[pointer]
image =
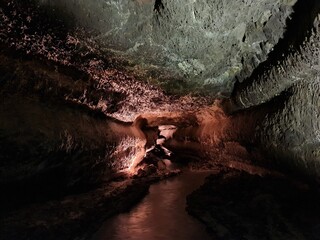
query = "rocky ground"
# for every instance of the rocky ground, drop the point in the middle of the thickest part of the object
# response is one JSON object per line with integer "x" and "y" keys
{"x": 235, "y": 204}
{"x": 77, "y": 216}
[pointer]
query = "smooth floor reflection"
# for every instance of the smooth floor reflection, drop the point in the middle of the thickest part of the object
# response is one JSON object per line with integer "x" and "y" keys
{"x": 161, "y": 214}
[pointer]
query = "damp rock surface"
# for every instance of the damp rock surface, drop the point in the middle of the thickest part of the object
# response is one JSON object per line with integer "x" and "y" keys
{"x": 207, "y": 42}
{"x": 75, "y": 74}
{"x": 237, "y": 205}
{"x": 74, "y": 216}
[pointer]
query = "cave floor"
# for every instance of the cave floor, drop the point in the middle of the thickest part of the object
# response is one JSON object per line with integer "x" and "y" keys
{"x": 79, "y": 215}
{"x": 238, "y": 200}
{"x": 235, "y": 204}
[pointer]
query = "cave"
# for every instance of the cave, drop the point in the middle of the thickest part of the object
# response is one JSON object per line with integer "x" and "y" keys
{"x": 159, "y": 119}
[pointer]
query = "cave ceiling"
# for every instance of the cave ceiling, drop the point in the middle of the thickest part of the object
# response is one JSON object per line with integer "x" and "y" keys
{"x": 207, "y": 44}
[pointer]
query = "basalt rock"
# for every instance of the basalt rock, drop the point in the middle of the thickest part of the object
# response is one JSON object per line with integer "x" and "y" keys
{"x": 207, "y": 44}
{"x": 290, "y": 135}
{"x": 239, "y": 205}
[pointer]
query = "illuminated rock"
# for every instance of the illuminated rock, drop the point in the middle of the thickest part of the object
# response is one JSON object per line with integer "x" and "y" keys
{"x": 209, "y": 44}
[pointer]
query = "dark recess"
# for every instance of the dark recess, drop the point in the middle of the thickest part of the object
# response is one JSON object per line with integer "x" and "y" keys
{"x": 158, "y": 6}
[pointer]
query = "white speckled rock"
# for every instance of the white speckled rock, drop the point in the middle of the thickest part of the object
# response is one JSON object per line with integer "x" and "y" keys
{"x": 208, "y": 42}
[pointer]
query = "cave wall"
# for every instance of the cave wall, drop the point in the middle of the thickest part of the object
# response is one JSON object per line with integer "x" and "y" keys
{"x": 114, "y": 86}
{"x": 208, "y": 43}
{"x": 56, "y": 91}
{"x": 52, "y": 140}
{"x": 51, "y": 145}
{"x": 301, "y": 64}
{"x": 290, "y": 135}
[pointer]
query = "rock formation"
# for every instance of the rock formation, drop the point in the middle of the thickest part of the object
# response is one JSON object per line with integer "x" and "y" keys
{"x": 85, "y": 84}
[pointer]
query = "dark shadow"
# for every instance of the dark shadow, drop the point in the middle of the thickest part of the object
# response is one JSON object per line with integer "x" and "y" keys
{"x": 158, "y": 6}
{"x": 238, "y": 205}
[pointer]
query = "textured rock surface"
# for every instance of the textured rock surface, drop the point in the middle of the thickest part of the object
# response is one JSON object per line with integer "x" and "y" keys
{"x": 55, "y": 93}
{"x": 107, "y": 83}
{"x": 207, "y": 42}
{"x": 71, "y": 217}
{"x": 291, "y": 134}
{"x": 238, "y": 205}
{"x": 57, "y": 85}
{"x": 301, "y": 65}
{"x": 45, "y": 140}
